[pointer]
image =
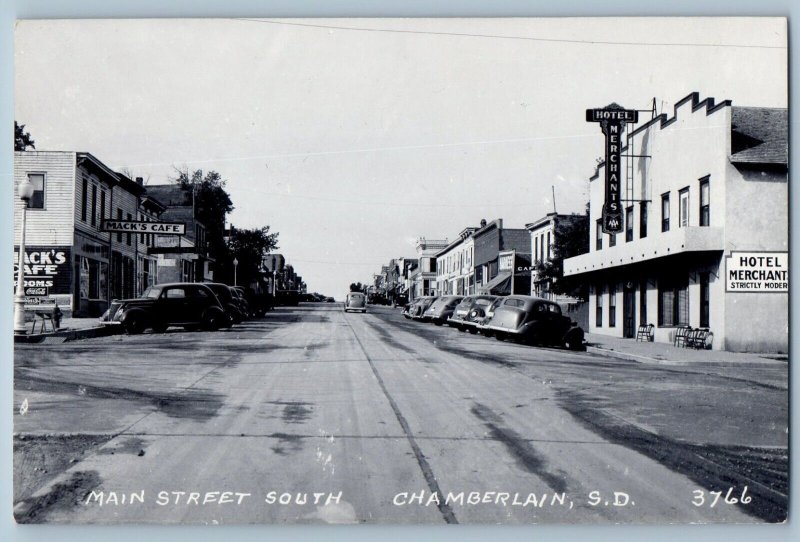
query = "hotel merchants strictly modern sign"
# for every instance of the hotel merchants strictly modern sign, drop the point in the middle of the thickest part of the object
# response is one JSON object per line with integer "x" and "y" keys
{"x": 757, "y": 272}
{"x": 134, "y": 226}
{"x": 612, "y": 121}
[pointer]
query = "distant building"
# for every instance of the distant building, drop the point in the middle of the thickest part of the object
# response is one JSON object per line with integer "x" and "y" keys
{"x": 455, "y": 274}
{"x": 544, "y": 238}
{"x": 424, "y": 279}
{"x": 489, "y": 241}
{"x": 705, "y": 239}
{"x": 181, "y": 258}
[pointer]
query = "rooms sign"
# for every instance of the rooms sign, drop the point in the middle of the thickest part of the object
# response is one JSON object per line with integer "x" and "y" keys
{"x": 612, "y": 119}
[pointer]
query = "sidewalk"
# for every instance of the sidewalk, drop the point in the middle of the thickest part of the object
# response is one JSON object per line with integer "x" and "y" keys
{"x": 71, "y": 329}
{"x": 667, "y": 354}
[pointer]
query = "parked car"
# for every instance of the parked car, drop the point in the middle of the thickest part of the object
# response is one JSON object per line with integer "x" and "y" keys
{"x": 535, "y": 321}
{"x": 442, "y": 309}
{"x": 238, "y": 295}
{"x": 421, "y": 305}
{"x": 229, "y": 302}
{"x": 188, "y": 304}
{"x": 471, "y": 310}
{"x": 355, "y": 301}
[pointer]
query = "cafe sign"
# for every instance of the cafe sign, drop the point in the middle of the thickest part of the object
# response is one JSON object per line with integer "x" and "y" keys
{"x": 137, "y": 226}
{"x": 612, "y": 121}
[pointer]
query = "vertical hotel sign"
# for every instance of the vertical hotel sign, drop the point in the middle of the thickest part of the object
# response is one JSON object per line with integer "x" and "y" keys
{"x": 612, "y": 121}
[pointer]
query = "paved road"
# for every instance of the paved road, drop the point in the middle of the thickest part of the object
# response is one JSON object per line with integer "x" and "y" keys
{"x": 313, "y": 415}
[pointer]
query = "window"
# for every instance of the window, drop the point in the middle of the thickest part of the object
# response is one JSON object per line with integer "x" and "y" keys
{"x": 599, "y": 235}
{"x": 683, "y": 208}
{"x": 705, "y": 298}
{"x": 536, "y": 257}
{"x": 673, "y": 302}
{"x": 705, "y": 208}
{"x": 37, "y": 199}
{"x": 175, "y": 293}
{"x": 84, "y": 196}
{"x": 119, "y": 217}
{"x": 598, "y": 314}
{"x": 629, "y": 224}
{"x": 94, "y": 205}
{"x": 665, "y": 212}
{"x": 128, "y": 235}
{"x": 548, "y": 246}
{"x": 643, "y": 220}
{"x": 102, "y": 205}
{"x": 612, "y": 304}
{"x": 643, "y": 303}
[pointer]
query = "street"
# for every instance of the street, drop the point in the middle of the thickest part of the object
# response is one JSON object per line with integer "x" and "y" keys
{"x": 312, "y": 415}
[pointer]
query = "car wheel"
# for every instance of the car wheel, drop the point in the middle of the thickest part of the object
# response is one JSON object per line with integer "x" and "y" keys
{"x": 500, "y": 336}
{"x": 134, "y": 325}
{"x": 211, "y": 322}
{"x": 473, "y": 330}
{"x": 437, "y": 322}
{"x": 160, "y": 328}
{"x": 192, "y": 327}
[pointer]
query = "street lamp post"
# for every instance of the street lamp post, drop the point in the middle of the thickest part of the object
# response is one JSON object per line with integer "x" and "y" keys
{"x": 25, "y": 192}
{"x": 235, "y": 265}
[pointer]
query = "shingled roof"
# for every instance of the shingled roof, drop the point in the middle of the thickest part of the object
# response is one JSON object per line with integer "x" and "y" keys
{"x": 759, "y": 135}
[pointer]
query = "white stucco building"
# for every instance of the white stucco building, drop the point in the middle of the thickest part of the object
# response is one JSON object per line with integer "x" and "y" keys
{"x": 705, "y": 241}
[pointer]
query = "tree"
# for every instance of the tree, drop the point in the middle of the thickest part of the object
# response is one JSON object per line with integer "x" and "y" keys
{"x": 358, "y": 287}
{"x": 22, "y": 139}
{"x": 571, "y": 238}
{"x": 212, "y": 205}
{"x": 248, "y": 247}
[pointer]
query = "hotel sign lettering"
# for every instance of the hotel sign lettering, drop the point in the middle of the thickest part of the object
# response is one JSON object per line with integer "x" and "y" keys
{"x": 757, "y": 272}
{"x": 612, "y": 121}
{"x": 135, "y": 226}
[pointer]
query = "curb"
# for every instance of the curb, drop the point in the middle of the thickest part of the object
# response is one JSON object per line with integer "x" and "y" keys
{"x": 610, "y": 353}
{"x": 67, "y": 335}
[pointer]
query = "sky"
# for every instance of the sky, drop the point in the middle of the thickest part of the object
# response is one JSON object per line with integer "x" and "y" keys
{"x": 353, "y": 137}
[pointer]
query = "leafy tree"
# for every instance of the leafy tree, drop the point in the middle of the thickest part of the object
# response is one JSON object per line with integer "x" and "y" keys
{"x": 22, "y": 139}
{"x": 571, "y": 238}
{"x": 212, "y": 204}
{"x": 248, "y": 247}
{"x": 358, "y": 287}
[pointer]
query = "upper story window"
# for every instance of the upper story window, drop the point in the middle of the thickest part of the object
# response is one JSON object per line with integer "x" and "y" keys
{"x": 643, "y": 219}
{"x": 629, "y": 224}
{"x": 84, "y": 199}
{"x": 683, "y": 208}
{"x": 94, "y": 205}
{"x": 598, "y": 244}
{"x": 548, "y": 246}
{"x": 37, "y": 200}
{"x": 705, "y": 206}
{"x": 665, "y": 212}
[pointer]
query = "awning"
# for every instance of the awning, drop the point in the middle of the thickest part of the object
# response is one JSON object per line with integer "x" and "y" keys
{"x": 500, "y": 285}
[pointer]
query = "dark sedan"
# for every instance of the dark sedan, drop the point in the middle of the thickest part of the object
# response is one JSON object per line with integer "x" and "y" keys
{"x": 535, "y": 321}
{"x": 191, "y": 305}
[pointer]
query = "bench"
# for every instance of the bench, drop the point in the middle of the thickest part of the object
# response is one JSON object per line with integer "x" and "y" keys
{"x": 645, "y": 332}
{"x": 44, "y": 315}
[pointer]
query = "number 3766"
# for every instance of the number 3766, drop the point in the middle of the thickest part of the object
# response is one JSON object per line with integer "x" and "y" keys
{"x": 712, "y": 498}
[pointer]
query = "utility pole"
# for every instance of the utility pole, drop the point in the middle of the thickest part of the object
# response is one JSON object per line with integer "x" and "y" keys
{"x": 553, "y": 188}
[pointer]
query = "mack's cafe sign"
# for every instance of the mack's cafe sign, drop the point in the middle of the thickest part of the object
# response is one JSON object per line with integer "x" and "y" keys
{"x": 136, "y": 226}
{"x": 612, "y": 119}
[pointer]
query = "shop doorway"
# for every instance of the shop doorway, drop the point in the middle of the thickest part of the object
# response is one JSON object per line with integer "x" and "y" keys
{"x": 628, "y": 312}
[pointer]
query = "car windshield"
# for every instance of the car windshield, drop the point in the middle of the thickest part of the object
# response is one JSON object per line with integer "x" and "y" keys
{"x": 152, "y": 292}
{"x": 483, "y": 302}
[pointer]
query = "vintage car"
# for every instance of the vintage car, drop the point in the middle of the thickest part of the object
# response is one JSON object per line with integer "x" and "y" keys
{"x": 534, "y": 321}
{"x": 228, "y": 301}
{"x": 355, "y": 301}
{"x": 442, "y": 309}
{"x": 417, "y": 308}
{"x": 470, "y": 311}
{"x": 188, "y": 304}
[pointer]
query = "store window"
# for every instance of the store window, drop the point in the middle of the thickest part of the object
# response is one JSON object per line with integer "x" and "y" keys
{"x": 598, "y": 315}
{"x": 665, "y": 212}
{"x": 599, "y": 235}
{"x": 612, "y": 304}
{"x": 37, "y": 200}
{"x": 705, "y": 206}
{"x": 705, "y": 300}
{"x": 673, "y": 302}
{"x": 683, "y": 208}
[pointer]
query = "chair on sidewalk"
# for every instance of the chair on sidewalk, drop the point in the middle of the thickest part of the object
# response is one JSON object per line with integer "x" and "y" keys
{"x": 700, "y": 339}
{"x": 645, "y": 332}
{"x": 681, "y": 335}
